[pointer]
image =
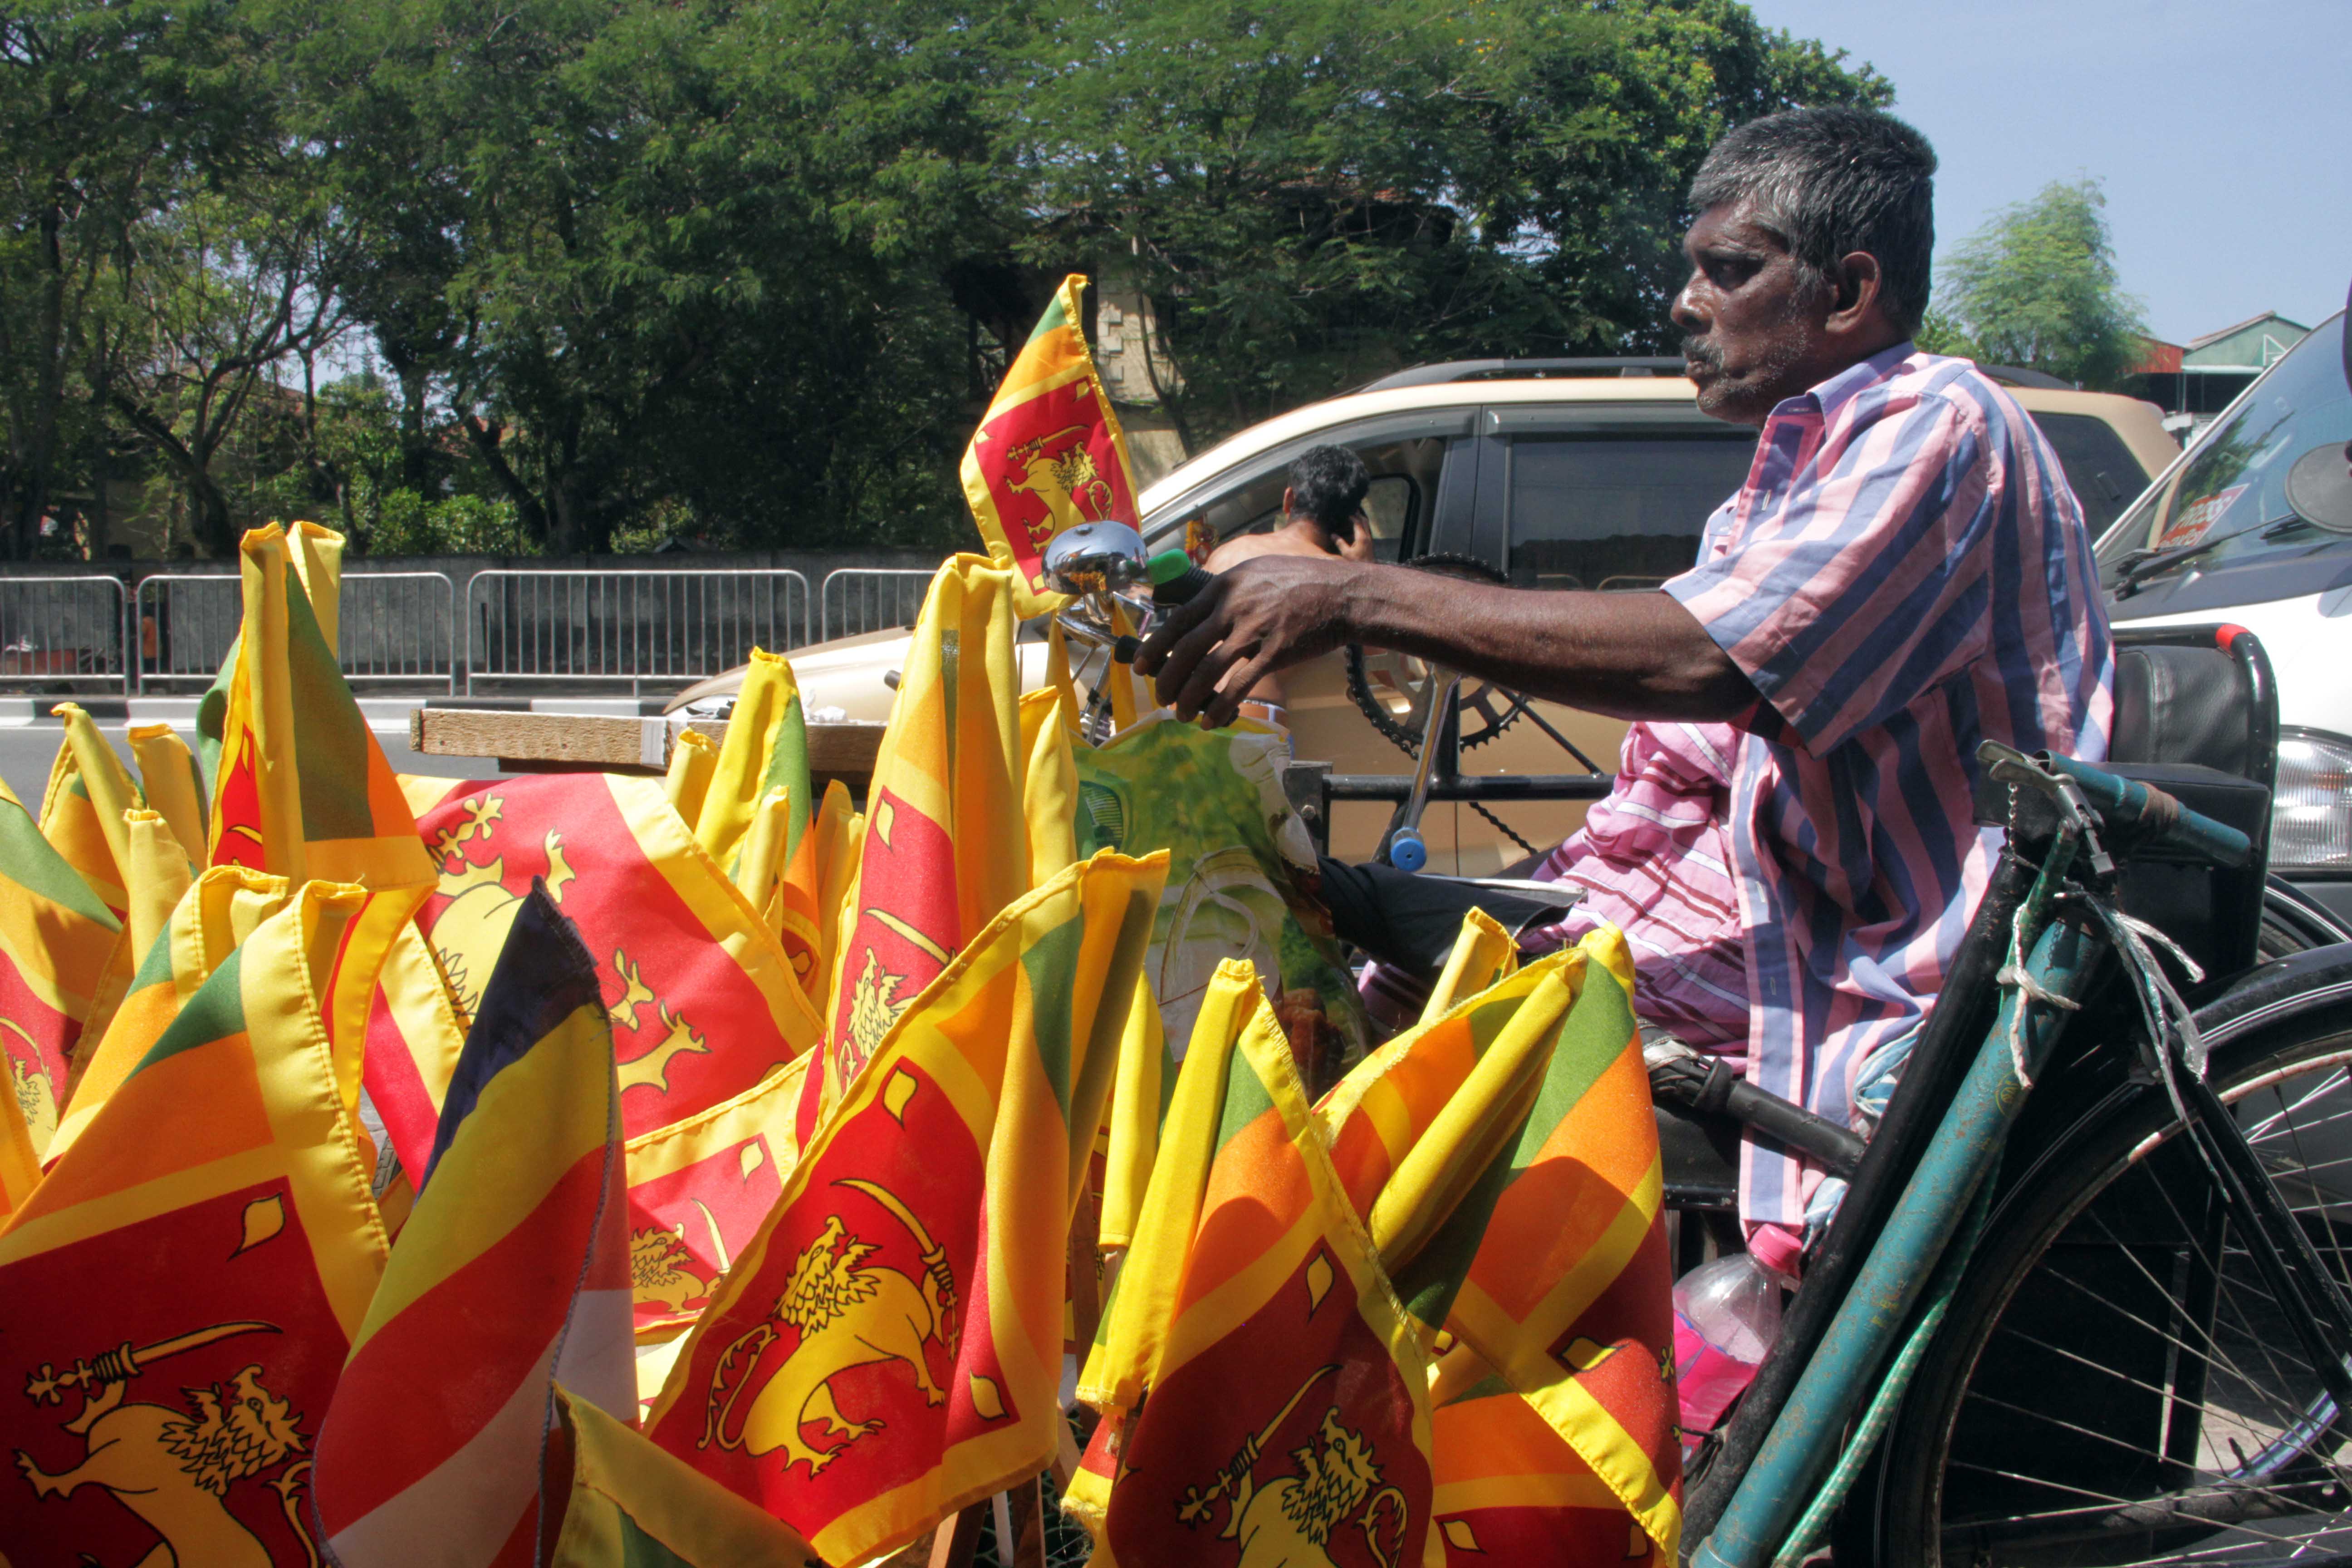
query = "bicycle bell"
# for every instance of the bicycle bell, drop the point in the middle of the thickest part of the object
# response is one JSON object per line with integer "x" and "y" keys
{"x": 1095, "y": 557}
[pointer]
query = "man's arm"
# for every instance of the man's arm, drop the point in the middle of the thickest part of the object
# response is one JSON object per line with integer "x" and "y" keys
{"x": 1636, "y": 655}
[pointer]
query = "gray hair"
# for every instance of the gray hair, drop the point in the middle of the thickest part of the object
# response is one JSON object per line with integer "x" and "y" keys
{"x": 1829, "y": 182}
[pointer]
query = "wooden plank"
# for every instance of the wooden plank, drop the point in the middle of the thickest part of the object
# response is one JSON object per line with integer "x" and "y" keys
{"x": 602, "y": 742}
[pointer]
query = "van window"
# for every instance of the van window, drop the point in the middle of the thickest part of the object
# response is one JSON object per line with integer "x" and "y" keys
{"x": 2100, "y": 469}
{"x": 1402, "y": 496}
{"x": 1616, "y": 511}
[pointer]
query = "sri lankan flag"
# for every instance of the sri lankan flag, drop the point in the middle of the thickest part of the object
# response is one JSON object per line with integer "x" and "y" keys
{"x": 947, "y": 843}
{"x": 698, "y": 1191}
{"x": 220, "y": 910}
{"x": 156, "y": 876}
{"x": 1554, "y": 1266}
{"x": 702, "y": 999}
{"x": 57, "y": 937}
{"x": 765, "y": 748}
{"x": 756, "y": 814}
{"x": 1287, "y": 1416}
{"x": 169, "y": 779}
{"x": 512, "y": 1266}
{"x": 1048, "y": 454}
{"x": 302, "y": 789}
{"x": 1509, "y": 1489}
{"x": 81, "y": 809}
{"x": 887, "y": 1350}
{"x": 178, "y": 1297}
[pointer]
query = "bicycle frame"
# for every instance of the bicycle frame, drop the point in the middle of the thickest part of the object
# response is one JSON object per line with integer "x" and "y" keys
{"x": 1804, "y": 1423}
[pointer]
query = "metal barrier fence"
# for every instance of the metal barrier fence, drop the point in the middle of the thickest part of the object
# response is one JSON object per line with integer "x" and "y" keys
{"x": 392, "y": 627}
{"x": 186, "y": 625}
{"x": 858, "y": 599}
{"x": 62, "y": 634}
{"x": 399, "y": 627}
{"x": 662, "y": 629}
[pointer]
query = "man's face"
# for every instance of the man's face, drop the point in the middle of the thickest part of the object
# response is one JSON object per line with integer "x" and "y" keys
{"x": 1752, "y": 320}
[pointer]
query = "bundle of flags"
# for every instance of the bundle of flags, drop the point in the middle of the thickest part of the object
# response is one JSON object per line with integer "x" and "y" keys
{"x": 603, "y": 1169}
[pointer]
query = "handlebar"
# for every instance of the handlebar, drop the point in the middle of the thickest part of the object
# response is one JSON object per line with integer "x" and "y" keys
{"x": 2144, "y": 808}
{"x": 2136, "y": 808}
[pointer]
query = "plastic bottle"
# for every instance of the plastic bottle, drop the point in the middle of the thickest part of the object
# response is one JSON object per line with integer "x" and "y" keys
{"x": 1726, "y": 1315}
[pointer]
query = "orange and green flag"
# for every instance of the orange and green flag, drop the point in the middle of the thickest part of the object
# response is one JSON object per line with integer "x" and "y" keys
{"x": 212, "y": 919}
{"x": 889, "y": 1349}
{"x": 226, "y": 1178}
{"x": 1553, "y": 1266}
{"x": 947, "y": 841}
{"x": 57, "y": 939}
{"x": 1287, "y": 1415}
{"x": 302, "y": 788}
{"x": 1049, "y": 454}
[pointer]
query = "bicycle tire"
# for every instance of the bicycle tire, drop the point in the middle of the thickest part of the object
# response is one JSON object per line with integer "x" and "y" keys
{"x": 2015, "y": 1446}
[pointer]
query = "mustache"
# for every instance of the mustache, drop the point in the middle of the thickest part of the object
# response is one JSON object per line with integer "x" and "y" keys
{"x": 1700, "y": 352}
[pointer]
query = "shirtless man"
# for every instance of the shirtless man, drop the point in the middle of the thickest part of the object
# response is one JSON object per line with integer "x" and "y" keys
{"x": 1322, "y": 514}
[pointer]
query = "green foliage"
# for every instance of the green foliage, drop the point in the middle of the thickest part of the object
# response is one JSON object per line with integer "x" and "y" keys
{"x": 637, "y": 270}
{"x": 2037, "y": 287}
{"x": 1315, "y": 193}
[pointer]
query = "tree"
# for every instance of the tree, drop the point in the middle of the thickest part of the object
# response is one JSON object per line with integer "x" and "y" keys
{"x": 105, "y": 112}
{"x": 1314, "y": 193}
{"x": 2037, "y": 287}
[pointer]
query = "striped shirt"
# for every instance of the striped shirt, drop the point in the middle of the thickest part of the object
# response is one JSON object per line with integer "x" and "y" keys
{"x": 1904, "y": 575}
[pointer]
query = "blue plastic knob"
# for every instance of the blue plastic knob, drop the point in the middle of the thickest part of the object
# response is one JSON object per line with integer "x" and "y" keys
{"x": 1406, "y": 851}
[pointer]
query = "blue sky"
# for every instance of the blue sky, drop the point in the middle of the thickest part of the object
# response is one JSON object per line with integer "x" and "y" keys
{"x": 2223, "y": 132}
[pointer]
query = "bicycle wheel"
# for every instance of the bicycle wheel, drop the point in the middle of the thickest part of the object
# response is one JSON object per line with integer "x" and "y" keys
{"x": 2114, "y": 1384}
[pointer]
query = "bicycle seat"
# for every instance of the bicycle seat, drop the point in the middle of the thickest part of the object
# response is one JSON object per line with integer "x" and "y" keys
{"x": 2196, "y": 716}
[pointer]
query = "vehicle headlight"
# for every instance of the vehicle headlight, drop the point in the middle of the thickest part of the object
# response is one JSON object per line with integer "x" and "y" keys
{"x": 2311, "y": 812}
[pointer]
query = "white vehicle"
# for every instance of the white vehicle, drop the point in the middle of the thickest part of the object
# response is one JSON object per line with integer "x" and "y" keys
{"x": 2253, "y": 526}
{"x": 1545, "y": 473}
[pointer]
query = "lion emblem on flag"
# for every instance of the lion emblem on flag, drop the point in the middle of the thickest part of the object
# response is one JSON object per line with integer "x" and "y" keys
{"x": 174, "y": 1467}
{"x": 1288, "y": 1521}
{"x": 847, "y": 1314}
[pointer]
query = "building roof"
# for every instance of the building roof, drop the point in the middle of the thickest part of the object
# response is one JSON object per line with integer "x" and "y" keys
{"x": 2252, "y": 344}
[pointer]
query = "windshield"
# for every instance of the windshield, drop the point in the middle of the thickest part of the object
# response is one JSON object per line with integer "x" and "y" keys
{"x": 2231, "y": 495}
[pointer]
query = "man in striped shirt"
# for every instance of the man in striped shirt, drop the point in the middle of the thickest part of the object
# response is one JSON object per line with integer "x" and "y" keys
{"x": 1789, "y": 845}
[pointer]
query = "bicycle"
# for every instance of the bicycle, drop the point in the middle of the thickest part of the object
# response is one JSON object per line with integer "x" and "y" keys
{"x": 2085, "y": 1300}
{"x": 2138, "y": 1351}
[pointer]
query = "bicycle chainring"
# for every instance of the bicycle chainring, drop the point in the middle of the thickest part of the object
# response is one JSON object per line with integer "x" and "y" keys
{"x": 1486, "y": 709}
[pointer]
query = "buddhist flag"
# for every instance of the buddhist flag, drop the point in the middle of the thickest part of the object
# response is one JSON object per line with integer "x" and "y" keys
{"x": 887, "y": 1350}
{"x": 946, "y": 844}
{"x": 512, "y": 1266}
{"x": 57, "y": 937}
{"x": 81, "y": 810}
{"x": 212, "y": 919}
{"x": 177, "y": 1298}
{"x": 634, "y": 1506}
{"x": 302, "y": 789}
{"x": 1287, "y": 1416}
{"x": 702, "y": 998}
{"x": 1554, "y": 1266}
{"x": 1048, "y": 454}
